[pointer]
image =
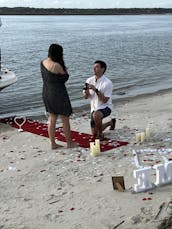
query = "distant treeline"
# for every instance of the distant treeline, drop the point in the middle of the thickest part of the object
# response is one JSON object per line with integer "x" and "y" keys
{"x": 64, "y": 11}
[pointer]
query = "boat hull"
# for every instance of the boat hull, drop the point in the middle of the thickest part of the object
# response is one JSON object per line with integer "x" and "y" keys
{"x": 7, "y": 78}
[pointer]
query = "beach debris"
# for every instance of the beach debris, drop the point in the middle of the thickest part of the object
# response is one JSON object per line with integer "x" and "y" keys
{"x": 99, "y": 180}
{"x": 53, "y": 202}
{"x": 43, "y": 170}
{"x": 97, "y": 175}
{"x": 166, "y": 222}
{"x": 160, "y": 209}
{"x": 53, "y": 199}
{"x": 151, "y": 193}
{"x": 4, "y": 137}
{"x": 60, "y": 211}
{"x": 119, "y": 224}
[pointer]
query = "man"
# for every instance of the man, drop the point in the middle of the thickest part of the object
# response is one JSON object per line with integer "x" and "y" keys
{"x": 99, "y": 90}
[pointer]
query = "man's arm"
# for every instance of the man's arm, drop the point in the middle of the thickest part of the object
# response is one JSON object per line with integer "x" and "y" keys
{"x": 100, "y": 95}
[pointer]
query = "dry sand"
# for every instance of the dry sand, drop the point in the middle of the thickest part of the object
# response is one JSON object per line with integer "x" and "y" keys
{"x": 69, "y": 189}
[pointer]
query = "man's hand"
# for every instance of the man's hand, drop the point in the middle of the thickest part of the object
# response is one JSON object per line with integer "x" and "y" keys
{"x": 91, "y": 86}
{"x": 86, "y": 93}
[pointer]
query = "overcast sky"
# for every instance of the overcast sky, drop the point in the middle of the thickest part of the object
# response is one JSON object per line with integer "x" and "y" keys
{"x": 88, "y": 3}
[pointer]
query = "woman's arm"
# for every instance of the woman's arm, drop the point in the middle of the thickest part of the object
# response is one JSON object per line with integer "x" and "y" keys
{"x": 58, "y": 69}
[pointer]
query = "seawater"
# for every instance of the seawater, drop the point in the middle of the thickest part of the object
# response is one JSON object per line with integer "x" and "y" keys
{"x": 136, "y": 48}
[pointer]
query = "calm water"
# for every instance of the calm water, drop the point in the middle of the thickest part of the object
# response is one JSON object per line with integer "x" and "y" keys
{"x": 137, "y": 49}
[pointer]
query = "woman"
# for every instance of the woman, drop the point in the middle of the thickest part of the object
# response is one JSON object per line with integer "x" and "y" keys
{"x": 55, "y": 96}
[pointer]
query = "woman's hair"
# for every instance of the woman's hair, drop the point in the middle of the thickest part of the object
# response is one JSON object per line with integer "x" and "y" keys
{"x": 55, "y": 52}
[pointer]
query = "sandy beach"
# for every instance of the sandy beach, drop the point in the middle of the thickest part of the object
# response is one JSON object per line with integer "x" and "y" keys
{"x": 69, "y": 189}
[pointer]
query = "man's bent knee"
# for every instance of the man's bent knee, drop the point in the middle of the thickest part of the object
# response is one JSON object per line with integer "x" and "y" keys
{"x": 97, "y": 115}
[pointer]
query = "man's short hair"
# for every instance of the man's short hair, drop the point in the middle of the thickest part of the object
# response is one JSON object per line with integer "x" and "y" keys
{"x": 102, "y": 64}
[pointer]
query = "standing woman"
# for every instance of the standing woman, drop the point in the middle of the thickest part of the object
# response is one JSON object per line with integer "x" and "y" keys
{"x": 55, "y": 96}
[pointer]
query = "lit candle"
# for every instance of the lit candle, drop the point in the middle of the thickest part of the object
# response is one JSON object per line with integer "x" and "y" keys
{"x": 138, "y": 137}
{"x": 95, "y": 148}
{"x": 142, "y": 136}
{"x": 147, "y": 132}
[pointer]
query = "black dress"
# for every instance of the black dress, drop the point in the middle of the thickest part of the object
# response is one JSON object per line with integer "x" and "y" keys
{"x": 55, "y": 96}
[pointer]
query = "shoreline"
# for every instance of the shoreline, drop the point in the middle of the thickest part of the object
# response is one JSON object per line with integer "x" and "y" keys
{"x": 30, "y": 11}
{"x": 84, "y": 109}
{"x": 121, "y": 101}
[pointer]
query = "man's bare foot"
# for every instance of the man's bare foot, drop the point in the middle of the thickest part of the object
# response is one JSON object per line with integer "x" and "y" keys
{"x": 100, "y": 137}
{"x": 72, "y": 145}
{"x": 113, "y": 123}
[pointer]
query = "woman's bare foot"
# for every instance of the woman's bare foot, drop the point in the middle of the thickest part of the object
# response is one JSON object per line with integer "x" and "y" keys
{"x": 72, "y": 145}
{"x": 54, "y": 146}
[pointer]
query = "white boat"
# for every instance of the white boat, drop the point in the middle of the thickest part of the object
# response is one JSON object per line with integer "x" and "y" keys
{"x": 7, "y": 77}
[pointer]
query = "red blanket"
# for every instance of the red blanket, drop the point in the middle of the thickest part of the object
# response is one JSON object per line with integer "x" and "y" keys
{"x": 82, "y": 139}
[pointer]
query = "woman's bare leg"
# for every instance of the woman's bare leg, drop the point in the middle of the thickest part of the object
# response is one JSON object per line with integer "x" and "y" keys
{"x": 51, "y": 130}
{"x": 67, "y": 133}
